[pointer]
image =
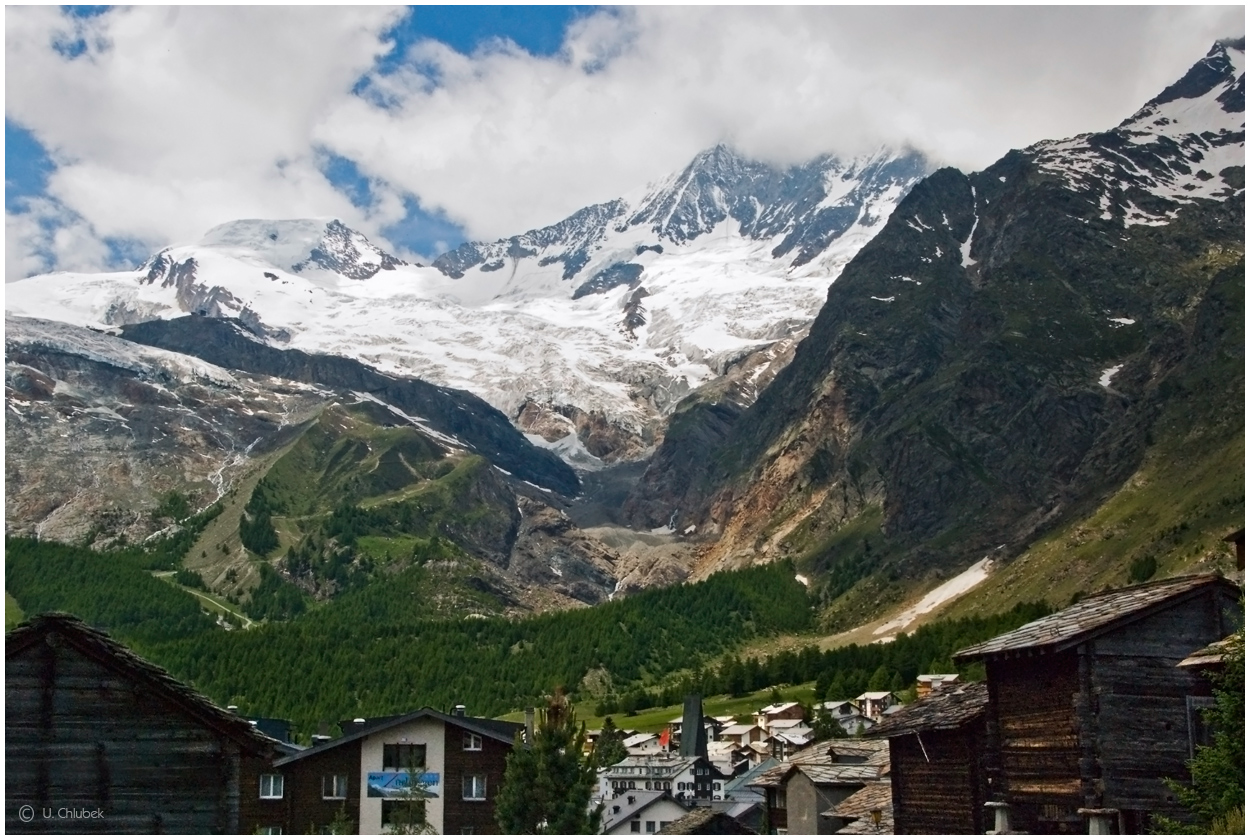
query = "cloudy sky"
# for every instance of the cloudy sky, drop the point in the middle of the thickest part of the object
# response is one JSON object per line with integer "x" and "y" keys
{"x": 130, "y": 129}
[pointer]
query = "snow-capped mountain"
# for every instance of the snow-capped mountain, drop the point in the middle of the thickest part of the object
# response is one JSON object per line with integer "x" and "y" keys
{"x": 605, "y": 319}
{"x": 1003, "y": 358}
{"x": 1171, "y": 152}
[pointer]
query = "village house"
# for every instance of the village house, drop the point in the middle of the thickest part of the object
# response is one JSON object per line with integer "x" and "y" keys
{"x": 926, "y": 684}
{"x": 936, "y": 749}
{"x": 641, "y": 812}
{"x": 742, "y": 733}
{"x": 798, "y": 792}
{"x": 874, "y": 704}
{"x": 100, "y": 741}
{"x": 767, "y": 716}
{"x": 366, "y": 773}
{"x": 1087, "y": 713}
{"x": 685, "y": 778}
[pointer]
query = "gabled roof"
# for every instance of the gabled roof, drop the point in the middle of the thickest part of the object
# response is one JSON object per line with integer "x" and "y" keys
{"x": 876, "y": 754}
{"x": 950, "y": 708}
{"x": 643, "y": 799}
{"x": 498, "y": 730}
{"x": 64, "y": 629}
{"x": 705, "y": 821}
{"x": 1094, "y": 616}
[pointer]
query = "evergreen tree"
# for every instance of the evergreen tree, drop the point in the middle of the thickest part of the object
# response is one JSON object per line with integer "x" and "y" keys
{"x": 880, "y": 680}
{"x": 547, "y": 785}
{"x": 825, "y": 725}
{"x": 610, "y": 748}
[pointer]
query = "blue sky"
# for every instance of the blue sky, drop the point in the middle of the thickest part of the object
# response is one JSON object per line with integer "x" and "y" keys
{"x": 131, "y": 128}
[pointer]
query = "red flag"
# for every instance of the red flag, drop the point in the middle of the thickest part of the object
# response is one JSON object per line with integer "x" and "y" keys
{"x": 664, "y": 737}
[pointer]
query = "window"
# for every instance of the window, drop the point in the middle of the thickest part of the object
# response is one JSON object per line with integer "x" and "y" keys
{"x": 635, "y": 827}
{"x": 271, "y": 786}
{"x": 471, "y": 741}
{"x": 651, "y": 826}
{"x": 1200, "y": 734}
{"x": 403, "y": 756}
{"x": 474, "y": 787}
{"x": 664, "y": 824}
{"x": 334, "y": 786}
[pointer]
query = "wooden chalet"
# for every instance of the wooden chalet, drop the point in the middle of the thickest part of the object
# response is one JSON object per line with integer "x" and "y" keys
{"x": 99, "y": 740}
{"x": 936, "y": 774}
{"x": 1087, "y": 713}
{"x": 359, "y": 778}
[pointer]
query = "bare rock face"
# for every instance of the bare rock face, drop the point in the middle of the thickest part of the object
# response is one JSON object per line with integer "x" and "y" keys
{"x": 604, "y": 439}
{"x": 99, "y": 430}
{"x": 552, "y": 553}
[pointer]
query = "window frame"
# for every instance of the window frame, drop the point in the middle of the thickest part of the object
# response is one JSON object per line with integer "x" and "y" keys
{"x": 471, "y": 742}
{"x": 469, "y": 783}
{"x": 269, "y": 777}
{"x": 397, "y": 753}
{"x": 334, "y": 778}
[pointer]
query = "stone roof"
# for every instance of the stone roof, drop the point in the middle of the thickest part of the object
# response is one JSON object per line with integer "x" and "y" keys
{"x": 1092, "y": 617}
{"x": 950, "y": 708}
{"x": 1211, "y": 656}
{"x": 840, "y": 774}
{"x": 859, "y": 806}
{"x": 705, "y": 821}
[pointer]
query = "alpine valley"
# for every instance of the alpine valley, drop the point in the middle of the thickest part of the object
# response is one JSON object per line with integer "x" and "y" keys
{"x": 905, "y": 391}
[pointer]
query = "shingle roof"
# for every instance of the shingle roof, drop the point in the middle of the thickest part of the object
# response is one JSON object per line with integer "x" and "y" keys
{"x": 1211, "y": 656}
{"x": 63, "y": 628}
{"x": 874, "y": 796}
{"x": 875, "y": 752}
{"x": 705, "y": 821}
{"x": 1092, "y": 617}
{"x": 840, "y": 774}
{"x": 498, "y": 730}
{"x": 949, "y": 708}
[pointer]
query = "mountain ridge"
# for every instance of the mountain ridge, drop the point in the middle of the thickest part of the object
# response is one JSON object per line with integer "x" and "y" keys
{"x": 989, "y": 367}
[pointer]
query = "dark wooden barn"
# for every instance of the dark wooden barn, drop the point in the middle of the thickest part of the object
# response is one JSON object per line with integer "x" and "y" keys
{"x": 1088, "y": 713}
{"x": 936, "y": 774}
{"x": 98, "y": 740}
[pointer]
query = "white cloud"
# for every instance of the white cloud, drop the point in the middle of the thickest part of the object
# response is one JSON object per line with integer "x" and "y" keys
{"x": 506, "y": 141}
{"x": 176, "y": 119}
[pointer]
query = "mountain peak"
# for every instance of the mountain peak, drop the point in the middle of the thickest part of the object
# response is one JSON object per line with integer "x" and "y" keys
{"x": 298, "y": 245}
{"x": 1224, "y": 65}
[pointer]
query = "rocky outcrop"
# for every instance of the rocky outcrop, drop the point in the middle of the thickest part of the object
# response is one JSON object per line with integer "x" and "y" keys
{"x": 451, "y": 412}
{"x": 100, "y": 430}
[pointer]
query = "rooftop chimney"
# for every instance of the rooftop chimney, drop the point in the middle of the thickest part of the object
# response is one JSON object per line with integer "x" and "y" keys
{"x": 458, "y": 710}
